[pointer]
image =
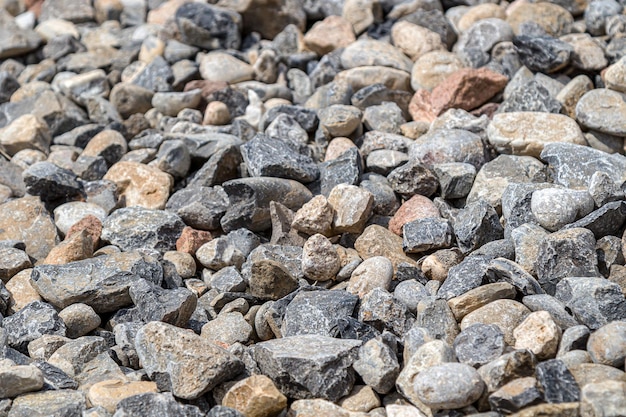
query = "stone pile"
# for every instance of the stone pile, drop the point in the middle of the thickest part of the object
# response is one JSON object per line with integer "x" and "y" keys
{"x": 351, "y": 208}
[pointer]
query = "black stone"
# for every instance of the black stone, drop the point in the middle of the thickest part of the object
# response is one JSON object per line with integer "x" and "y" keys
{"x": 55, "y": 378}
{"x": 469, "y": 274}
{"x": 173, "y": 306}
{"x": 156, "y": 76}
{"x": 223, "y": 165}
{"x": 413, "y": 178}
{"x": 557, "y": 382}
{"x": 51, "y": 182}
{"x": 208, "y": 27}
{"x": 351, "y": 328}
{"x": 477, "y": 224}
{"x": 345, "y": 169}
{"x": 199, "y": 207}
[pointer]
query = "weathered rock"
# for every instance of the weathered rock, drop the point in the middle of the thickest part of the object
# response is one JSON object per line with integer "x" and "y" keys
{"x": 140, "y": 185}
{"x": 506, "y": 314}
{"x": 462, "y": 386}
{"x": 255, "y": 396}
{"x": 602, "y": 110}
{"x": 479, "y": 344}
{"x": 557, "y": 382}
{"x": 378, "y": 365}
{"x": 31, "y": 322}
{"x": 198, "y": 365}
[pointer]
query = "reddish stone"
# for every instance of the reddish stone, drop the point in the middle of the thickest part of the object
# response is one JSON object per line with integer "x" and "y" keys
{"x": 417, "y": 207}
{"x": 420, "y": 107}
{"x": 191, "y": 239}
{"x": 77, "y": 247}
{"x": 34, "y": 6}
{"x": 488, "y": 109}
{"x": 467, "y": 89}
{"x": 91, "y": 224}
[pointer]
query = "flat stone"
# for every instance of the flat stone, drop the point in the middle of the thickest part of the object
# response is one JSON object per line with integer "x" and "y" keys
{"x": 26, "y": 132}
{"x": 506, "y": 314}
{"x": 107, "y": 394}
{"x": 379, "y": 241}
{"x": 200, "y": 369}
{"x": 158, "y": 404}
{"x": 465, "y": 276}
{"x": 40, "y": 404}
{"x": 476, "y": 298}
{"x": 327, "y": 361}
{"x": 227, "y": 329}
{"x": 15, "y": 40}
{"x": 19, "y": 379}
{"x": 137, "y": 227}
{"x": 603, "y": 398}
{"x": 516, "y": 395}
{"x": 543, "y": 53}
{"x": 154, "y": 303}
{"x": 427, "y": 234}
{"x": 50, "y": 182}
{"x": 448, "y": 145}
{"x": 602, "y": 110}
{"x": 365, "y": 53}
{"x": 517, "y": 133}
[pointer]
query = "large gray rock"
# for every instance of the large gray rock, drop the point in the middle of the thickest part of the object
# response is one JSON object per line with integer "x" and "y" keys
{"x": 477, "y": 224}
{"x": 309, "y": 366}
{"x": 31, "y": 322}
{"x": 101, "y": 282}
{"x": 182, "y": 362}
{"x": 140, "y": 228}
{"x": 174, "y": 306}
{"x": 199, "y": 207}
{"x": 448, "y": 145}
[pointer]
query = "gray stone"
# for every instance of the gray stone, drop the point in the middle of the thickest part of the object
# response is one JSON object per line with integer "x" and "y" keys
{"x": 603, "y": 110}
{"x": 377, "y": 365}
{"x": 435, "y": 316}
{"x": 199, "y": 207}
{"x": 66, "y": 402}
{"x": 156, "y": 76}
{"x": 222, "y": 165}
{"x": 597, "y": 13}
{"x": 543, "y": 53}
{"x": 227, "y": 328}
{"x": 512, "y": 365}
{"x": 448, "y": 145}
{"x": 309, "y": 366}
{"x": 173, "y": 157}
{"x": 566, "y": 253}
{"x": 410, "y": 293}
{"x": 593, "y": 301}
{"x": 101, "y": 282}
{"x": 477, "y": 224}
{"x": 379, "y": 309}
{"x": 516, "y": 204}
{"x": 554, "y": 208}
{"x": 287, "y": 128}
{"x": 307, "y": 118}
{"x": 413, "y": 178}
{"x": 250, "y": 199}
{"x": 376, "y": 94}
{"x": 182, "y": 362}
{"x": 74, "y": 356}
{"x": 8, "y": 86}
{"x": 154, "y": 303}
{"x": 603, "y": 190}
{"x": 557, "y": 382}
{"x": 467, "y": 275}
{"x": 137, "y": 227}
{"x": 455, "y": 179}
{"x": 15, "y": 40}
{"x": 531, "y": 96}
{"x": 269, "y": 157}
{"x": 50, "y": 182}
{"x": 481, "y": 37}
{"x": 545, "y": 302}
{"x": 12, "y": 261}
{"x": 31, "y": 322}
{"x": 317, "y": 312}
{"x": 160, "y": 404}
{"x": 573, "y": 338}
{"x": 219, "y": 253}
{"x": 607, "y": 345}
{"x": 383, "y": 161}
{"x": 345, "y": 169}
{"x": 566, "y": 163}
{"x": 79, "y": 320}
{"x": 516, "y": 395}
{"x": 227, "y": 280}
{"x": 604, "y": 221}
{"x": 426, "y": 234}
{"x": 449, "y": 385}
{"x": 505, "y": 270}
{"x": 604, "y": 398}
{"x": 385, "y": 199}
{"x": 385, "y": 117}
{"x": 479, "y": 344}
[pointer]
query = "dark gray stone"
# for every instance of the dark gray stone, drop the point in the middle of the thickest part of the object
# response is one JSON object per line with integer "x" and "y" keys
{"x": 434, "y": 315}
{"x": 385, "y": 117}
{"x": 574, "y": 165}
{"x": 479, "y": 344}
{"x": 326, "y": 69}
{"x": 309, "y": 366}
{"x": 199, "y": 207}
{"x": 317, "y": 312}
{"x": 607, "y": 220}
{"x": 501, "y": 248}
{"x": 54, "y": 378}
{"x": 51, "y": 182}
{"x": 223, "y": 165}
{"x": 228, "y": 280}
{"x": 31, "y": 322}
{"x": 557, "y": 382}
{"x": 518, "y": 394}
{"x": 62, "y": 403}
{"x": 307, "y": 118}
{"x": 173, "y": 157}
{"x": 385, "y": 199}
{"x": 455, "y": 179}
{"x": 379, "y": 309}
{"x": 154, "y": 303}
{"x": 543, "y": 53}
{"x": 413, "y": 178}
{"x": 516, "y": 200}
{"x": 481, "y": 37}
{"x": 410, "y": 293}
{"x": 505, "y": 270}
{"x": 8, "y": 86}
{"x": 448, "y": 145}
{"x": 158, "y": 404}
{"x": 269, "y": 157}
{"x": 477, "y": 224}
{"x": 221, "y": 411}
{"x": 373, "y": 140}
{"x": 345, "y": 169}
{"x": 467, "y": 275}
{"x": 545, "y": 302}
{"x": 351, "y": 328}
{"x": 383, "y": 161}
{"x": 531, "y": 96}
{"x": 250, "y": 199}
{"x": 101, "y": 282}
{"x": 376, "y": 94}
{"x": 427, "y": 234}
{"x": 603, "y": 189}
{"x": 90, "y": 168}
{"x": 286, "y": 128}
{"x": 609, "y": 252}
{"x": 593, "y": 301}
{"x": 208, "y": 27}
{"x": 573, "y": 338}
{"x": 566, "y": 253}
{"x": 137, "y": 227}
{"x": 156, "y": 76}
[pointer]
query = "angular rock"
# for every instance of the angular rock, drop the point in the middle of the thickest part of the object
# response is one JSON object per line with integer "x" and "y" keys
{"x": 557, "y": 382}
{"x": 378, "y": 365}
{"x": 479, "y": 344}
{"x": 141, "y": 185}
{"x": 156, "y": 304}
{"x": 199, "y": 207}
{"x": 426, "y": 234}
{"x": 31, "y": 322}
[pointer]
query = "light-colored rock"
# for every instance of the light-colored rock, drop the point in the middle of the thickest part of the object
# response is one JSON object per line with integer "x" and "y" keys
{"x": 414, "y": 40}
{"x": 353, "y": 207}
{"x": 255, "y": 396}
{"x": 220, "y": 66}
{"x": 375, "y": 272}
{"x": 25, "y": 132}
{"x": 432, "y": 68}
{"x": 141, "y": 185}
{"x": 109, "y": 393}
{"x": 539, "y": 334}
{"x": 329, "y": 34}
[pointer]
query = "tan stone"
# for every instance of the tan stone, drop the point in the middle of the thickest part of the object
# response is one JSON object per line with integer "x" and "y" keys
{"x": 337, "y": 146}
{"x": 362, "y": 398}
{"x": 77, "y": 247}
{"x": 352, "y": 206}
{"x": 414, "y": 40}
{"x": 375, "y": 272}
{"x": 110, "y": 392}
{"x": 467, "y": 89}
{"x": 480, "y": 12}
{"x": 25, "y": 132}
{"x": 220, "y": 66}
{"x": 141, "y": 185}
{"x": 109, "y": 144}
{"x": 329, "y": 34}
{"x": 615, "y": 76}
{"x": 164, "y": 12}
{"x": 526, "y": 133}
{"x": 417, "y": 207}
{"x": 91, "y": 224}
{"x": 588, "y": 54}
{"x": 255, "y": 396}
{"x": 549, "y": 410}
{"x": 506, "y": 314}
{"x": 360, "y": 77}
{"x": 183, "y": 262}
{"x": 216, "y": 114}
{"x": 474, "y": 299}
{"x": 432, "y": 68}
{"x": 28, "y": 220}
{"x": 151, "y": 48}
{"x": 319, "y": 407}
{"x": 539, "y": 334}
{"x": 315, "y": 216}
{"x": 22, "y": 292}
{"x": 361, "y": 13}
{"x": 554, "y": 19}
{"x": 436, "y": 265}
{"x": 379, "y": 241}
{"x": 320, "y": 260}
{"x": 420, "y": 107}
{"x": 574, "y": 90}
{"x": 591, "y": 373}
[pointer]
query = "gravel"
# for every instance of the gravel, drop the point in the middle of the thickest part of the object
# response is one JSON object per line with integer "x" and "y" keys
{"x": 308, "y": 208}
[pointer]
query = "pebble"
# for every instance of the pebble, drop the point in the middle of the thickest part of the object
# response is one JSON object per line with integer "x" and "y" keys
{"x": 479, "y": 344}
{"x": 255, "y": 396}
{"x": 79, "y": 320}
{"x": 539, "y": 334}
{"x": 606, "y": 345}
{"x": 449, "y": 386}
{"x": 140, "y": 185}
{"x": 504, "y": 313}
{"x": 374, "y": 272}
{"x": 602, "y": 109}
